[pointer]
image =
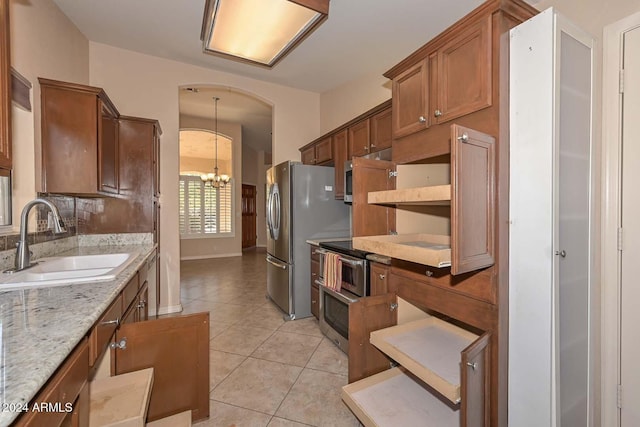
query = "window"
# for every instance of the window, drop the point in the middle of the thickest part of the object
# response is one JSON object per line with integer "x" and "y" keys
{"x": 204, "y": 210}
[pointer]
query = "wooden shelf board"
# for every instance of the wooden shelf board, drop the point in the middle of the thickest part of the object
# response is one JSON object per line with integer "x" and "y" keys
{"x": 439, "y": 195}
{"x": 430, "y": 349}
{"x": 121, "y": 400}
{"x": 183, "y": 419}
{"x": 428, "y": 249}
{"x": 394, "y": 398}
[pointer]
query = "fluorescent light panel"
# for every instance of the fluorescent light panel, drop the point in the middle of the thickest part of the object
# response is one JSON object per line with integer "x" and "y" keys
{"x": 259, "y": 31}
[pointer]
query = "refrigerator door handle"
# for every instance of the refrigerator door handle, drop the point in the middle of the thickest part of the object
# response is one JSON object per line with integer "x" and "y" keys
{"x": 269, "y": 208}
{"x": 274, "y": 262}
{"x": 275, "y": 211}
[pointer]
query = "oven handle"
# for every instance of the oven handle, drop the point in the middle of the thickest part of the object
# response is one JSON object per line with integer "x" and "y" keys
{"x": 319, "y": 252}
{"x": 340, "y": 296}
{"x": 351, "y": 262}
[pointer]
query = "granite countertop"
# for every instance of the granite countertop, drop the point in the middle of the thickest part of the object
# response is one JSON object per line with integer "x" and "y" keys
{"x": 40, "y": 326}
{"x": 317, "y": 242}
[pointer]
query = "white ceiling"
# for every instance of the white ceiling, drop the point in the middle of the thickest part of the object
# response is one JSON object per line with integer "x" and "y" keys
{"x": 359, "y": 38}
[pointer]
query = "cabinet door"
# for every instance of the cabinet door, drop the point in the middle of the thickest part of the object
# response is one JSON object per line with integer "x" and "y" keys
{"x": 308, "y": 156}
{"x": 380, "y": 125}
{"x": 379, "y": 279}
{"x": 315, "y": 301}
{"x": 359, "y": 139}
{"x": 5, "y": 88}
{"x": 371, "y": 175}
{"x": 409, "y": 97}
{"x": 367, "y": 315}
{"x": 466, "y": 58}
{"x": 178, "y": 350}
{"x": 475, "y": 389}
{"x": 472, "y": 200}
{"x": 324, "y": 151}
{"x": 339, "y": 159}
{"x": 108, "y": 168}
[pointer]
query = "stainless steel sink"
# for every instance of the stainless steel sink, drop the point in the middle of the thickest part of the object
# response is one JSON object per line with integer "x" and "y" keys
{"x": 58, "y": 271}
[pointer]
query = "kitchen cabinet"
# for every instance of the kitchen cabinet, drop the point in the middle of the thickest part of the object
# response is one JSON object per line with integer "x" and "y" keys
{"x": 66, "y": 392}
{"x": 315, "y": 275}
{"x": 423, "y": 236}
{"x": 319, "y": 153}
{"x": 79, "y": 140}
{"x": 371, "y": 219}
{"x": 370, "y": 135}
{"x": 453, "y": 80}
{"x": 5, "y": 88}
{"x": 444, "y": 369}
{"x": 359, "y": 136}
{"x": 379, "y": 278}
{"x": 340, "y": 150}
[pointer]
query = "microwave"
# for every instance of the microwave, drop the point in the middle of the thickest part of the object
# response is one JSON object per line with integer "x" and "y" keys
{"x": 348, "y": 181}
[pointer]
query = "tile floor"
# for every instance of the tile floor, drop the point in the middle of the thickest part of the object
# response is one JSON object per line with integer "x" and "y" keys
{"x": 263, "y": 371}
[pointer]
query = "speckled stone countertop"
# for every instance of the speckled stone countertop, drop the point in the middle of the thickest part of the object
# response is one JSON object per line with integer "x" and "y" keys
{"x": 317, "y": 242}
{"x": 40, "y": 326}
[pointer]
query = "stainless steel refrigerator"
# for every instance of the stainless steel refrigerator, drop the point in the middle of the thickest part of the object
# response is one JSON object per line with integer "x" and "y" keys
{"x": 301, "y": 205}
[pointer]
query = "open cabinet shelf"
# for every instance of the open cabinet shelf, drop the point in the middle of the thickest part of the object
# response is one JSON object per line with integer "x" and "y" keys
{"x": 121, "y": 400}
{"x": 436, "y": 195}
{"x": 395, "y": 398}
{"x": 428, "y": 249}
{"x": 429, "y": 348}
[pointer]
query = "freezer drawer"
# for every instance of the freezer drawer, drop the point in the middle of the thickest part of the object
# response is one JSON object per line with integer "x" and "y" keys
{"x": 279, "y": 284}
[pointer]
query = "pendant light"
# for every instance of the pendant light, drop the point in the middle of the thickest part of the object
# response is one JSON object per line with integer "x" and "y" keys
{"x": 213, "y": 179}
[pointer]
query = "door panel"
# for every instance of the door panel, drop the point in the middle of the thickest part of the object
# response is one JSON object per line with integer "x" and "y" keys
{"x": 178, "y": 350}
{"x": 630, "y": 317}
{"x": 472, "y": 209}
{"x": 476, "y": 378}
{"x": 279, "y": 279}
{"x": 371, "y": 175}
{"x": 281, "y": 211}
{"x": 249, "y": 234}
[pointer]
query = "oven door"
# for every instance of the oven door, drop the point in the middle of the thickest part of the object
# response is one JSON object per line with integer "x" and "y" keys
{"x": 334, "y": 316}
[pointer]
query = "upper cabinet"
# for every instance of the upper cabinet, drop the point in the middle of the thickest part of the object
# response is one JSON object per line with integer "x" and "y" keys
{"x": 79, "y": 140}
{"x": 451, "y": 78}
{"x": 319, "y": 153}
{"x": 5, "y": 88}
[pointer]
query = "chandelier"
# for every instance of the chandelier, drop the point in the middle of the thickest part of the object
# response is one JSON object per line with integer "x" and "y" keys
{"x": 214, "y": 179}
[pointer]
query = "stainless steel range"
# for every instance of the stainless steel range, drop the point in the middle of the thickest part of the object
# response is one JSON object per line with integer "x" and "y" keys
{"x": 334, "y": 305}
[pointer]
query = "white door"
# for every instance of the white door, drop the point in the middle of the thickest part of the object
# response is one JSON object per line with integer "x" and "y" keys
{"x": 630, "y": 258}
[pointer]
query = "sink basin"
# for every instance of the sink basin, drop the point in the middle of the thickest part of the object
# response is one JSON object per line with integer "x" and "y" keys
{"x": 58, "y": 271}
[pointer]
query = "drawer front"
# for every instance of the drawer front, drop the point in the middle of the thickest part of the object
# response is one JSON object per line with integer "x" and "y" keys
{"x": 479, "y": 285}
{"x": 130, "y": 292}
{"x": 315, "y": 256}
{"x": 315, "y": 301}
{"x": 315, "y": 271}
{"x": 61, "y": 392}
{"x": 104, "y": 329}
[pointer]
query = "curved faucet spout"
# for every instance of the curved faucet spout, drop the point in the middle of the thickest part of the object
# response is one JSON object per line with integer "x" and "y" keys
{"x": 23, "y": 256}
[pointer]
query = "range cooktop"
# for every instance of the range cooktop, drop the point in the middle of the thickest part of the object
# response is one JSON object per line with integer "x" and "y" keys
{"x": 344, "y": 247}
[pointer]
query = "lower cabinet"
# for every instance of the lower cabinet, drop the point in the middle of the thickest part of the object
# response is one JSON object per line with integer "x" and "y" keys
{"x": 443, "y": 377}
{"x": 315, "y": 275}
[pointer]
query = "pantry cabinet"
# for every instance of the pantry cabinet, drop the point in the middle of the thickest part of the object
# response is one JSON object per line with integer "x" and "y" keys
{"x": 443, "y": 376}
{"x": 79, "y": 140}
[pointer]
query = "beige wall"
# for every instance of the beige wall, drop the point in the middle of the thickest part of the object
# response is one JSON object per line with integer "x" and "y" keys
{"x": 339, "y": 105}
{"x": 146, "y": 86}
{"x": 219, "y": 246}
{"x": 44, "y": 43}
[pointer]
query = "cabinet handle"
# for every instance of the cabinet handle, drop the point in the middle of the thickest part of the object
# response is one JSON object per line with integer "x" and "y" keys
{"x": 473, "y": 365}
{"x": 110, "y": 322}
{"x": 393, "y": 306}
{"x": 373, "y": 145}
{"x": 142, "y": 304}
{"x": 437, "y": 113}
{"x": 422, "y": 119}
{"x": 562, "y": 253}
{"x": 313, "y": 274}
{"x": 464, "y": 137}
{"x": 381, "y": 276}
{"x": 313, "y": 301}
{"x": 428, "y": 273}
{"x": 122, "y": 344}
{"x": 366, "y": 148}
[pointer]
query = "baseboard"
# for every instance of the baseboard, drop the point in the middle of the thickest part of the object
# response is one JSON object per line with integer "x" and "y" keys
{"x": 193, "y": 258}
{"x": 170, "y": 309}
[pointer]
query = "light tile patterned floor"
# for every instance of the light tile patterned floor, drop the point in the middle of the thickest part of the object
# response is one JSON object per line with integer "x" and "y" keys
{"x": 263, "y": 371}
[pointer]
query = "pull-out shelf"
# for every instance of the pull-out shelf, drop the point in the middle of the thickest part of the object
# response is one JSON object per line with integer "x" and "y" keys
{"x": 429, "y": 348}
{"x": 121, "y": 400}
{"x": 428, "y": 249}
{"x": 395, "y": 398}
{"x": 437, "y": 195}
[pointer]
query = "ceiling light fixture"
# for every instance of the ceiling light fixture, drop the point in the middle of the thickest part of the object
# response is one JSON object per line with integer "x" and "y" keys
{"x": 213, "y": 179}
{"x": 260, "y": 32}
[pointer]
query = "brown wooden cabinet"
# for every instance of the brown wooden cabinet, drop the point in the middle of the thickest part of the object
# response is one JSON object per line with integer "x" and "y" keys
{"x": 379, "y": 278}
{"x": 370, "y": 219}
{"x": 381, "y": 131}
{"x": 410, "y": 96}
{"x": 315, "y": 275}
{"x": 5, "y": 88}
{"x": 318, "y": 154}
{"x": 340, "y": 150}
{"x": 79, "y": 139}
{"x": 359, "y": 139}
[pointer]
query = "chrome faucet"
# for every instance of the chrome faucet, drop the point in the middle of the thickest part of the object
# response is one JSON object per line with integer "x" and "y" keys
{"x": 23, "y": 256}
